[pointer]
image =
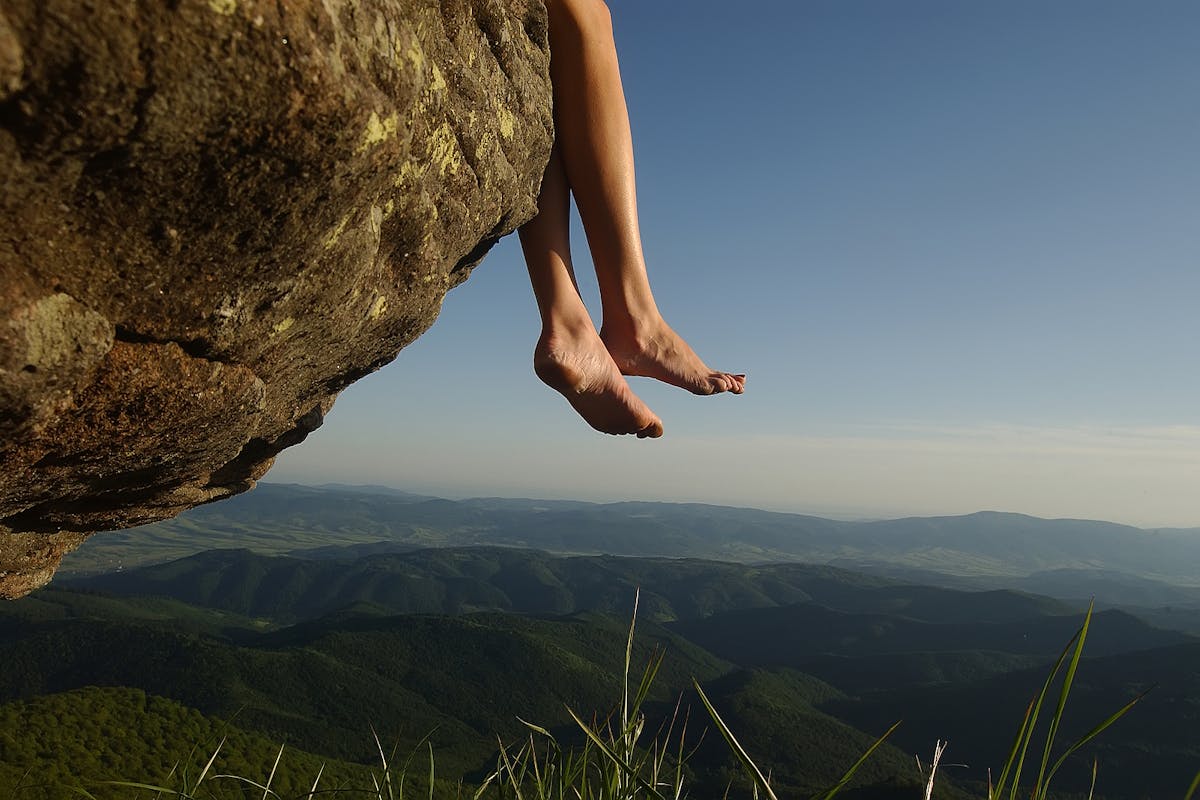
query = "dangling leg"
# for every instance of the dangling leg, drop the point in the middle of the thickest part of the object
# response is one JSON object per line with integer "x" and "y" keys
{"x": 570, "y": 357}
{"x": 592, "y": 125}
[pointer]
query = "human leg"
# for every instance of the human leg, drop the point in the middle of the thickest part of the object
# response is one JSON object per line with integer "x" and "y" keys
{"x": 570, "y": 356}
{"x": 592, "y": 126}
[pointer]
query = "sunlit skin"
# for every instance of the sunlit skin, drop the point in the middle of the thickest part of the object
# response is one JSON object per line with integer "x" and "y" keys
{"x": 593, "y": 160}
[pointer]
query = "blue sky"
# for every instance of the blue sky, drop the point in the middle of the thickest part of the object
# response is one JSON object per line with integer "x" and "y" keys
{"x": 955, "y": 246}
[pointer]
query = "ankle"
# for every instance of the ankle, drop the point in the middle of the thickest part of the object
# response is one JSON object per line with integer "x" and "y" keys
{"x": 630, "y": 317}
{"x": 567, "y": 328}
{"x": 634, "y": 332}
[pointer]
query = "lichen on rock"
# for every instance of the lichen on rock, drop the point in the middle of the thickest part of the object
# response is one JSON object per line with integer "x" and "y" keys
{"x": 217, "y": 215}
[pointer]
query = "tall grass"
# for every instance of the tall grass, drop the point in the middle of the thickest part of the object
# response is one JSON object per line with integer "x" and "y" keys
{"x": 613, "y": 763}
{"x": 1014, "y": 766}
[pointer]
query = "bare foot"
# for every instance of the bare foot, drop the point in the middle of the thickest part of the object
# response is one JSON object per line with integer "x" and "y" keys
{"x": 581, "y": 370}
{"x": 662, "y": 354}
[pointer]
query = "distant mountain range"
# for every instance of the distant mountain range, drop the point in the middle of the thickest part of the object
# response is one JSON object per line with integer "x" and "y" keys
{"x": 1074, "y": 559}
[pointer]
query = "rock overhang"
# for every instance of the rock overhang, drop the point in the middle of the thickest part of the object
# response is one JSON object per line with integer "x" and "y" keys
{"x": 220, "y": 213}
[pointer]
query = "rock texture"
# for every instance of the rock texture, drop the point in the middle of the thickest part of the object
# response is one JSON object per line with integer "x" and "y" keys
{"x": 219, "y": 213}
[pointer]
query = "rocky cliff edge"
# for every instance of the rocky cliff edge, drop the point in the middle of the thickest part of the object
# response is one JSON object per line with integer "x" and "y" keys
{"x": 216, "y": 215}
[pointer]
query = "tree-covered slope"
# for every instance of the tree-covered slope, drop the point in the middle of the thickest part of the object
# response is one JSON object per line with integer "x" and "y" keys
{"x": 807, "y": 662}
{"x": 282, "y": 519}
{"x": 53, "y": 744}
{"x": 458, "y": 580}
{"x": 791, "y": 635}
{"x": 322, "y": 685}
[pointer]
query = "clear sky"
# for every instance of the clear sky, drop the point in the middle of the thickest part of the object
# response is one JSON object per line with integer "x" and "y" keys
{"x": 955, "y": 246}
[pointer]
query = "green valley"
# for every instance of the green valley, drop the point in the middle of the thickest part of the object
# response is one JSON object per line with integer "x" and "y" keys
{"x": 285, "y": 641}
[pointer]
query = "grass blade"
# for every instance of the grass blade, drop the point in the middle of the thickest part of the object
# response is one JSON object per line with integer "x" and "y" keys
{"x": 316, "y": 780}
{"x": 483, "y": 787}
{"x": 629, "y": 658}
{"x": 647, "y": 680}
{"x": 680, "y": 758}
{"x": 535, "y": 728}
{"x": 1056, "y": 719}
{"x": 271, "y": 778}
{"x": 387, "y": 772}
{"x": 147, "y": 786}
{"x": 1025, "y": 735}
{"x": 1022, "y": 732}
{"x": 514, "y": 782}
{"x": 431, "y": 770}
{"x": 616, "y": 759}
{"x": 760, "y": 782}
{"x": 266, "y": 790}
{"x": 939, "y": 748}
{"x": 1093, "y": 733}
{"x": 1191, "y": 792}
{"x": 211, "y": 760}
{"x": 841, "y": 784}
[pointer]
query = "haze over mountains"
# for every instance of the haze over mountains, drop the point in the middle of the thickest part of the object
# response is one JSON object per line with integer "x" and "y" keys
{"x": 1078, "y": 559}
{"x": 323, "y": 612}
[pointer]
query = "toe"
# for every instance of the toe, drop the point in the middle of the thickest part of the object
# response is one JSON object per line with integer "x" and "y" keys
{"x": 724, "y": 382}
{"x": 651, "y": 431}
{"x": 710, "y": 384}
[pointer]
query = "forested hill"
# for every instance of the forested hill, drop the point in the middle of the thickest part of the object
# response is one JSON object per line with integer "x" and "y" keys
{"x": 328, "y": 610}
{"x": 808, "y": 663}
{"x": 323, "y": 685}
{"x": 338, "y": 522}
{"x": 459, "y": 580}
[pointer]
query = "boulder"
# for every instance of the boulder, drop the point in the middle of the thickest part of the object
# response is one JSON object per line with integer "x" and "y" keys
{"x": 216, "y": 215}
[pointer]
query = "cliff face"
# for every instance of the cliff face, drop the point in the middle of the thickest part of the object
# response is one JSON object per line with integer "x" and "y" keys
{"x": 219, "y": 213}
